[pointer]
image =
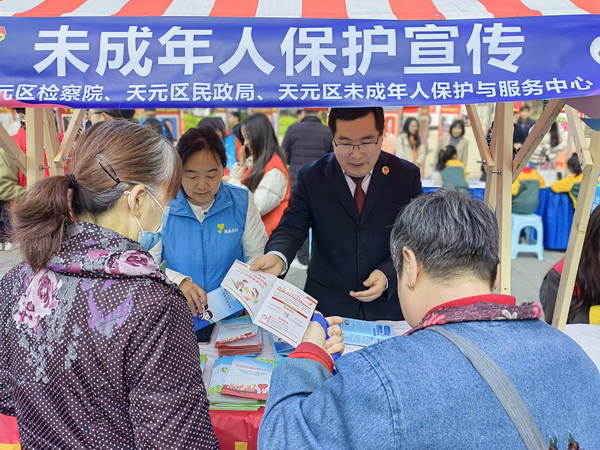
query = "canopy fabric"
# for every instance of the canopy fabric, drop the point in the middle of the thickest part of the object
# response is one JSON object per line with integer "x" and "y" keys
{"x": 329, "y": 9}
{"x": 256, "y": 53}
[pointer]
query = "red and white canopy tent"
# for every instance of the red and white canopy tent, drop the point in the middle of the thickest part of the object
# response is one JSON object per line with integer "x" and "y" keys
{"x": 332, "y": 9}
{"x": 501, "y": 168}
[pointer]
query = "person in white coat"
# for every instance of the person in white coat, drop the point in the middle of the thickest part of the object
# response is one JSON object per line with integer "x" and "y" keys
{"x": 456, "y": 138}
{"x": 409, "y": 146}
{"x": 553, "y": 142}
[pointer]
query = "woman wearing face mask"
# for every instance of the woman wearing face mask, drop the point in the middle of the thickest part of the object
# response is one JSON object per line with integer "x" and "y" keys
{"x": 211, "y": 224}
{"x": 96, "y": 345}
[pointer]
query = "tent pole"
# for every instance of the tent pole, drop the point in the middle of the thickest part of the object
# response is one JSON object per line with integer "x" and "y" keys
{"x": 577, "y": 236}
{"x": 66, "y": 145}
{"x": 542, "y": 126}
{"x": 12, "y": 150}
{"x": 579, "y": 139}
{"x": 479, "y": 133}
{"x": 503, "y": 132}
{"x": 484, "y": 151}
{"x": 491, "y": 183}
{"x": 50, "y": 139}
{"x": 35, "y": 145}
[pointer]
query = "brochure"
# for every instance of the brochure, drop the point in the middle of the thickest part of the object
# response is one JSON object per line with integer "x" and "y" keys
{"x": 362, "y": 333}
{"x": 236, "y": 329}
{"x": 248, "y": 378}
{"x": 203, "y": 359}
{"x": 221, "y": 304}
{"x": 273, "y": 304}
{"x": 281, "y": 349}
{"x": 217, "y": 378}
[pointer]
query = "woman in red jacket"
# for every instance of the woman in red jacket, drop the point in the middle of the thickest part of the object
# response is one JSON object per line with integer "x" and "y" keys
{"x": 263, "y": 170}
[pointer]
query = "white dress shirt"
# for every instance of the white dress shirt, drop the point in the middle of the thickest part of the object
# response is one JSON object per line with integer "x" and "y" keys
{"x": 366, "y": 182}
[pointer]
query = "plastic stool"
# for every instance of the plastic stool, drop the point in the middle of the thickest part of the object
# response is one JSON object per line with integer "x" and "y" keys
{"x": 519, "y": 222}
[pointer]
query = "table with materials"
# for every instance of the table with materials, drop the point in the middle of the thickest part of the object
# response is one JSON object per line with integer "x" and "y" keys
{"x": 238, "y": 430}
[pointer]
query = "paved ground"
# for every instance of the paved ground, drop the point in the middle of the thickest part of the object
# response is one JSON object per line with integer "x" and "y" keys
{"x": 527, "y": 272}
{"x": 8, "y": 259}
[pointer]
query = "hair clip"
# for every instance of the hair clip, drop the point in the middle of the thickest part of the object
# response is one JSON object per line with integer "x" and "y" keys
{"x": 110, "y": 171}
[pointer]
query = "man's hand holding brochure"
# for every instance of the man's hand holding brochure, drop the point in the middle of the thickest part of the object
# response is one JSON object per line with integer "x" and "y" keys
{"x": 273, "y": 304}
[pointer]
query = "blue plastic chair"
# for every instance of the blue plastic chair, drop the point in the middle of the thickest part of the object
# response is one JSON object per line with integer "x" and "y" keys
{"x": 520, "y": 222}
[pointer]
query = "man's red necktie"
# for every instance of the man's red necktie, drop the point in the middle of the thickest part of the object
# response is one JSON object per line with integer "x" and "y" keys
{"x": 359, "y": 194}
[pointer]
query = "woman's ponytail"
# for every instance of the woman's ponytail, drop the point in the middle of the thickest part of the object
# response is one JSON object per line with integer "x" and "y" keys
{"x": 445, "y": 155}
{"x": 38, "y": 220}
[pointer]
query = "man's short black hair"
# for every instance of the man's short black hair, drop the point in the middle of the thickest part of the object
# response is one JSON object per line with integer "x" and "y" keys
{"x": 356, "y": 113}
{"x": 235, "y": 114}
{"x": 524, "y": 108}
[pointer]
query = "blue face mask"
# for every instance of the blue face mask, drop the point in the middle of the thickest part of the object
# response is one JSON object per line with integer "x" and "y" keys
{"x": 149, "y": 239}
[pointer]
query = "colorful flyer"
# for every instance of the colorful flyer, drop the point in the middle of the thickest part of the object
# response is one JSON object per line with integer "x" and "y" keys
{"x": 236, "y": 329}
{"x": 248, "y": 378}
{"x": 275, "y": 305}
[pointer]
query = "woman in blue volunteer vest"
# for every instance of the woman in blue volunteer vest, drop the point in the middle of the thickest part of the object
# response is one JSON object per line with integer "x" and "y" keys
{"x": 210, "y": 225}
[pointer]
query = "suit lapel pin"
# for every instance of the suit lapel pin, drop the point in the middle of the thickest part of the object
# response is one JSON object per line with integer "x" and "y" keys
{"x": 385, "y": 170}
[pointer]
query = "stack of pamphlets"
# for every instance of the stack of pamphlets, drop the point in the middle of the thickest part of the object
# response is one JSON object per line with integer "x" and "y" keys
{"x": 248, "y": 378}
{"x": 362, "y": 333}
{"x": 239, "y": 383}
{"x": 203, "y": 359}
{"x": 238, "y": 336}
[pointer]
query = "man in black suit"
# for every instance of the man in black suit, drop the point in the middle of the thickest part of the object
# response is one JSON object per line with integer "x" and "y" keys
{"x": 350, "y": 199}
{"x": 522, "y": 126}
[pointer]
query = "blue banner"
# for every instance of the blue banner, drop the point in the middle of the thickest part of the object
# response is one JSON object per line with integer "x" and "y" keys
{"x": 123, "y": 62}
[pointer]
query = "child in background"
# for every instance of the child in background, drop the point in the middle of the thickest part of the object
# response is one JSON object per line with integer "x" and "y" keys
{"x": 452, "y": 170}
{"x": 572, "y": 183}
{"x": 526, "y": 191}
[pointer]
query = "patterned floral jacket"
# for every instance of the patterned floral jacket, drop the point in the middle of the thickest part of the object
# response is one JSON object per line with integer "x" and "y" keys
{"x": 97, "y": 350}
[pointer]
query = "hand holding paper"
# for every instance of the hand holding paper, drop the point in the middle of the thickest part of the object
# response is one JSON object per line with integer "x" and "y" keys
{"x": 275, "y": 305}
{"x": 195, "y": 296}
{"x": 327, "y": 334}
{"x": 269, "y": 263}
